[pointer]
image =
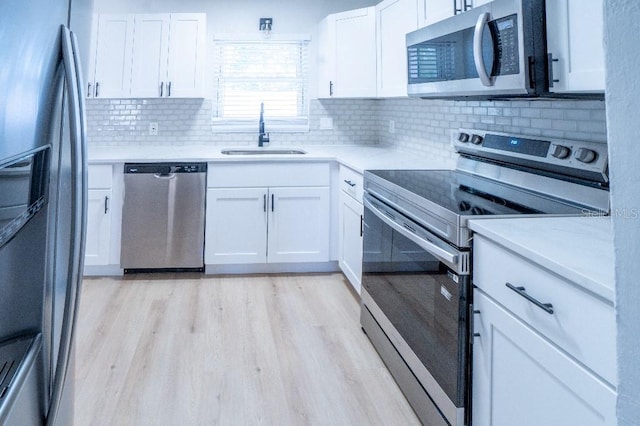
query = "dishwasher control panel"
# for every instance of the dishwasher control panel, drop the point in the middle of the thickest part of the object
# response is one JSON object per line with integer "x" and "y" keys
{"x": 165, "y": 168}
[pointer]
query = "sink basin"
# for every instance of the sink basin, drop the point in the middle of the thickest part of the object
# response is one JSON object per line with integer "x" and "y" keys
{"x": 263, "y": 151}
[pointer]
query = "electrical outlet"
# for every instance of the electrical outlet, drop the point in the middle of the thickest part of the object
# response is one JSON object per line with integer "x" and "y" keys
{"x": 392, "y": 126}
{"x": 326, "y": 123}
{"x": 153, "y": 129}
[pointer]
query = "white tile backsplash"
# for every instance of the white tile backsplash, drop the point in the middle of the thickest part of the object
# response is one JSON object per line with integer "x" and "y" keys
{"x": 421, "y": 126}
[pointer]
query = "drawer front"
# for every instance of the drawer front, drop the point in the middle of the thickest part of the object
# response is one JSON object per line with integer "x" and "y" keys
{"x": 581, "y": 324}
{"x": 100, "y": 176}
{"x": 351, "y": 182}
{"x": 260, "y": 174}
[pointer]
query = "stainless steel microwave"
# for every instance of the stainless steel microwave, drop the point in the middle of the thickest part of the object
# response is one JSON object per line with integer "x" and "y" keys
{"x": 491, "y": 51}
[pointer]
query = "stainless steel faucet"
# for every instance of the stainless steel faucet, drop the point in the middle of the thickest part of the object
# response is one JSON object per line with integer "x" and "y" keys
{"x": 263, "y": 138}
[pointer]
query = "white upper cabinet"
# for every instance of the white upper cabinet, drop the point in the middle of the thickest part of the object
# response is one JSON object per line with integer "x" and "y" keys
{"x": 110, "y": 63}
{"x": 148, "y": 56}
{"x": 574, "y": 40}
{"x": 347, "y": 54}
{"x": 169, "y": 55}
{"x": 187, "y": 51}
{"x": 394, "y": 19}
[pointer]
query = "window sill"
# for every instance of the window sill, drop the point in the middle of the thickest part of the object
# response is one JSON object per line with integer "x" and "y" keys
{"x": 253, "y": 129}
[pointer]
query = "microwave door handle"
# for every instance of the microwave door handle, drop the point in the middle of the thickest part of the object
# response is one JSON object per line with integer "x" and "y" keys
{"x": 482, "y": 21}
{"x": 449, "y": 258}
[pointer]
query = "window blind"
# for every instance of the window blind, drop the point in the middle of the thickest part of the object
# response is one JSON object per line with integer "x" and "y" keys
{"x": 273, "y": 72}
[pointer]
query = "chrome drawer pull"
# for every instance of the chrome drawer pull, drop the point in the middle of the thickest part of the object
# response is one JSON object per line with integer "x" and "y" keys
{"x": 547, "y": 307}
{"x": 348, "y": 182}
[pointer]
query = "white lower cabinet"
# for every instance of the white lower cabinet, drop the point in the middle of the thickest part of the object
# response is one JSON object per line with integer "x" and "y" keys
{"x": 104, "y": 216}
{"x": 272, "y": 225}
{"x": 544, "y": 348}
{"x": 236, "y": 225}
{"x": 298, "y": 225}
{"x": 254, "y": 215}
{"x": 520, "y": 378}
{"x": 350, "y": 234}
{"x": 351, "y": 225}
{"x": 98, "y": 227}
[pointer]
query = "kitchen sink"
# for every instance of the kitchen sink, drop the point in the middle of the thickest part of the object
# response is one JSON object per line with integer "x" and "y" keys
{"x": 263, "y": 151}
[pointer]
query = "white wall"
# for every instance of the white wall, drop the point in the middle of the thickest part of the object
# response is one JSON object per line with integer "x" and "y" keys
{"x": 623, "y": 112}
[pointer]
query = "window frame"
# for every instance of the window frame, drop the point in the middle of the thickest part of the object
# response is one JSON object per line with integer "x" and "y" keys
{"x": 299, "y": 124}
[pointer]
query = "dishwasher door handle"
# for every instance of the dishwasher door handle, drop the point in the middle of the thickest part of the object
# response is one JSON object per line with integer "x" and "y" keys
{"x": 164, "y": 175}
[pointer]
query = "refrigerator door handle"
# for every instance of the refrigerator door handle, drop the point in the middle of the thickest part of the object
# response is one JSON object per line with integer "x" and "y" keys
{"x": 75, "y": 93}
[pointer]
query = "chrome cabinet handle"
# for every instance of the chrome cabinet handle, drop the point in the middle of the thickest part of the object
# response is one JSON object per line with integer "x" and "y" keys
{"x": 472, "y": 323}
{"x": 89, "y": 85}
{"x": 106, "y": 204}
{"x": 97, "y": 92}
{"x": 331, "y": 88}
{"x": 264, "y": 203}
{"x": 272, "y": 202}
{"x": 547, "y": 307}
{"x": 161, "y": 88}
{"x": 463, "y": 8}
{"x": 550, "y": 61}
{"x": 361, "y": 225}
{"x": 348, "y": 182}
{"x": 477, "y": 49}
{"x": 169, "y": 89}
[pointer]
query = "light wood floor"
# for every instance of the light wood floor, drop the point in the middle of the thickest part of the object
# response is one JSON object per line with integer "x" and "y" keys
{"x": 233, "y": 350}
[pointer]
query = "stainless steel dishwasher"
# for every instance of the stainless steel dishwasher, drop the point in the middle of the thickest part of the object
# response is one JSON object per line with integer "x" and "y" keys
{"x": 163, "y": 216}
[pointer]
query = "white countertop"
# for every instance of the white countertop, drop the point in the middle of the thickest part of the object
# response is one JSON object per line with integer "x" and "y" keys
{"x": 579, "y": 249}
{"x": 358, "y": 157}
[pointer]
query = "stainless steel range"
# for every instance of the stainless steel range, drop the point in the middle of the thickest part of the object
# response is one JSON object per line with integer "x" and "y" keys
{"x": 416, "y": 293}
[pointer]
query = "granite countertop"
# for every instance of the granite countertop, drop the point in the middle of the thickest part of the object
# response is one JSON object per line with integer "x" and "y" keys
{"x": 357, "y": 157}
{"x": 579, "y": 249}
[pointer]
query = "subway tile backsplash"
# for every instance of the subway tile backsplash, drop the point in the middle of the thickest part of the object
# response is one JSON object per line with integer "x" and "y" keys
{"x": 421, "y": 126}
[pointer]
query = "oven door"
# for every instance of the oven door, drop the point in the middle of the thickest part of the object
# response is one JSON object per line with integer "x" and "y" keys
{"x": 416, "y": 287}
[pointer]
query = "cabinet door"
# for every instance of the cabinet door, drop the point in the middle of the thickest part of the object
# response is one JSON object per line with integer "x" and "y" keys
{"x": 236, "y": 226}
{"x": 520, "y": 378}
{"x": 114, "y": 49}
{"x": 350, "y": 234}
{"x": 326, "y": 57}
{"x": 394, "y": 19}
{"x": 355, "y": 54}
{"x": 298, "y": 225}
{"x": 185, "y": 76}
{"x": 150, "y": 54}
{"x": 430, "y": 11}
{"x": 574, "y": 38}
{"x": 98, "y": 227}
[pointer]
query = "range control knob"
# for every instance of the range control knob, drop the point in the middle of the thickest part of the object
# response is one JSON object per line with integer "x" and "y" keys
{"x": 585, "y": 155}
{"x": 561, "y": 152}
{"x": 476, "y": 139}
{"x": 463, "y": 137}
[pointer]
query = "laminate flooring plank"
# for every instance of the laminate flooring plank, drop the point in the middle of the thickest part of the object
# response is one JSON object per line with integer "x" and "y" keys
{"x": 191, "y": 349}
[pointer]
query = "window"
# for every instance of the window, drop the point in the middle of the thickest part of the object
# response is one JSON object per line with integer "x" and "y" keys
{"x": 273, "y": 72}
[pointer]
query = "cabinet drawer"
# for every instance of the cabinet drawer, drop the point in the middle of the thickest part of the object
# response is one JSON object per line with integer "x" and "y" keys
{"x": 99, "y": 176}
{"x": 351, "y": 182}
{"x": 261, "y": 174}
{"x": 581, "y": 324}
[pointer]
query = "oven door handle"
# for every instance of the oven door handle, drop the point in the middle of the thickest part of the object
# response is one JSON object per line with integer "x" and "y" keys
{"x": 447, "y": 257}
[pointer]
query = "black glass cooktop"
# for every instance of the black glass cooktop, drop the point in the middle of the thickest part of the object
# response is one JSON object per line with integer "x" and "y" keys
{"x": 466, "y": 194}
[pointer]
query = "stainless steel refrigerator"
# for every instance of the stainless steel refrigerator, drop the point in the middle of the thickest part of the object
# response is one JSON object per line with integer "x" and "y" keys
{"x": 42, "y": 210}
